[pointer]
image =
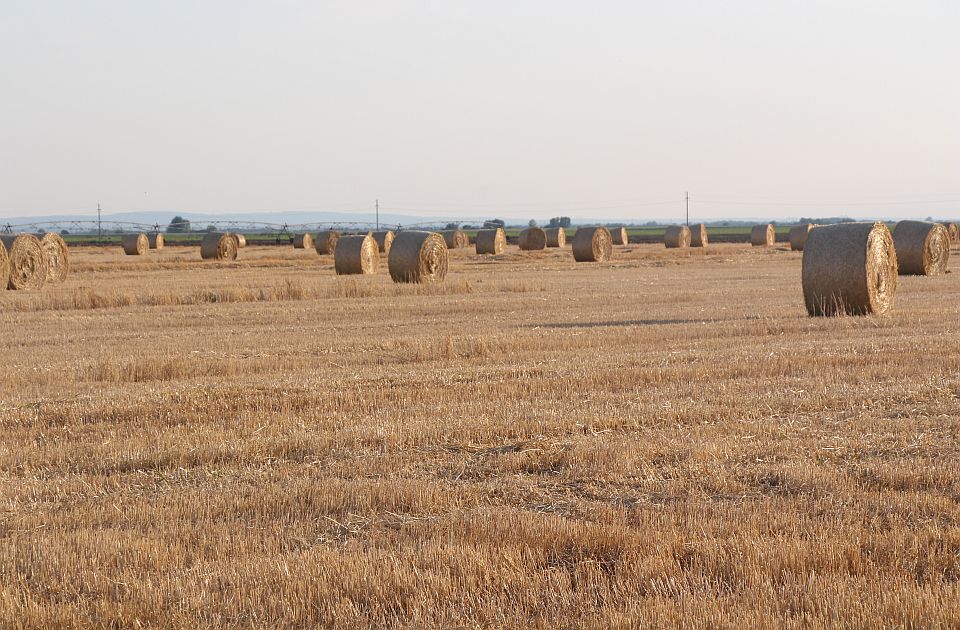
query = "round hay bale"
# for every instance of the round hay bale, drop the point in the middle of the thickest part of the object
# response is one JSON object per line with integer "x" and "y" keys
{"x": 28, "y": 262}
{"x": 303, "y": 241}
{"x": 4, "y": 266}
{"x": 798, "y": 236}
{"x": 455, "y": 239}
{"x": 357, "y": 253}
{"x": 556, "y": 237}
{"x": 241, "y": 240}
{"x": 763, "y": 235}
{"x": 923, "y": 249}
{"x": 677, "y": 236}
{"x": 592, "y": 244}
{"x": 619, "y": 236}
{"x": 326, "y": 242}
{"x": 953, "y": 230}
{"x": 384, "y": 240}
{"x": 849, "y": 268}
{"x": 135, "y": 244}
{"x": 533, "y": 238}
{"x": 491, "y": 241}
{"x": 58, "y": 258}
{"x": 156, "y": 240}
{"x": 418, "y": 257}
{"x": 698, "y": 235}
{"x": 218, "y": 246}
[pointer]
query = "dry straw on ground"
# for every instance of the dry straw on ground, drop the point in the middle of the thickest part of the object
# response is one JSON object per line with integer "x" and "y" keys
{"x": 384, "y": 240}
{"x": 303, "y": 241}
{"x": 418, "y": 257}
{"x": 533, "y": 238}
{"x": 677, "y": 236}
{"x": 592, "y": 244}
{"x": 326, "y": 242}
{"x": 763, "y": 235}
{"x": 849, "y": 268}
{"x": 953, "y": 230}
{"x": 355, "y": 254}
{"x": 556, "y": 237}
{"x": 218, "y": 246}
{"x": 923, "y": 249}
{"x": 619, "y": 236}
{"x": 798, "y": 236}
{"x": 491, "y": 241}
{"x": 241, "y": 240}
{"x": 135, "y": 244}
{"x": 455, "y": 239}
{"x": 58, "y": 257}
{"x": 698, "y": 235}
{"x": 28, "y": 262}
{"x": 155, "y": 239}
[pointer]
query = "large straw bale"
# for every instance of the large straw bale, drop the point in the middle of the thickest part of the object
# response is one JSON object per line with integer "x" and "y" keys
{"x": 798, "y": 236}
{"x": 155, "y": 239}
{"x": 556, "y": 237}
{"x": 27, "y": 262}
{"x": 619, "y": 236}
{"x": 218, "y": 246}
{"x": 491, "y": 241}
{"x": 384, "y": 240}
{"x": 592, "y": 244}
{"x": 763, "y": 235}
{"x": 303, "y": 241}
{"x": 58, "y": 258}
{"x": 326, "y": 241}
{"x": 849, "y": 268}
{"x": 533, "y": 238}
{"x": 455, "y": 239}
{"x": 418, "y": 257}
{"x": 135, "y": 244}
{"x": 677, "y": 236}
{"x": 698, "y": 235}
{"x": 357, "y": 253}
{"x": 241, "y": 240}
{"x": 923, "y": 249}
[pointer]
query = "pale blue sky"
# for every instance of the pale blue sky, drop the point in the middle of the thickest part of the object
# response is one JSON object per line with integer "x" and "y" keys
{"x": 767, "y": 109}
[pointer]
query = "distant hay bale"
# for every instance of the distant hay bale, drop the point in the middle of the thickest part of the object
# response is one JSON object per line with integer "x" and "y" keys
{"x": 326, "y": 242}
{"x": 418, "y": 257}
{"x": 356, "y": 253}
{"x": 241, "y": 240}
{"x": 677, "y": 236}
{"x": 135, "y": 244}
{"x": 763, "y": 235}
{"x": 384, "y": 240}
{"x": 923, "y": 249}
{"x": 556, "y": 237}
{"x": 155, "y": 239}
{"x": 58, "y": 258}
{"x": 303, "y": 241}
{"x": 849, "y": 268}
{"x": 455, "y": 239}
{"x": 619, "y": 236}
{"x": 798, "y": 236}
{"x": 491, "y": 241}
{"x": 4, "y": 266}
{"x": 533, "y": 238}
{"x": 27, "y": 262}
{"x": 218, "y": 246}
{"x": 953, "y": 231}
{"x": 592, "y": 244}
{"x": 698, "y": 235}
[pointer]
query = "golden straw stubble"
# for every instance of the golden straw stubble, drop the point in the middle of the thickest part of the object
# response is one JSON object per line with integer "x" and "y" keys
{"x": 418, "y": 257}
{"x": 27, "y": 261}
{"x": 923, "y": 249}
{"x": 533, "y": 238}
{"x": 677, "y": 236}
{"x": 592, "y": 244}
{"x": 491, "y": 241}
{"x": 356, "y": 254}
{"x": 849, "y": 268}
{"x": 58, "y": 258}
{"x": 218, "y": 246}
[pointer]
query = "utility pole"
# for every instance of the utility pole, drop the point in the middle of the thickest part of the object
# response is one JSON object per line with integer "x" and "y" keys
{"x": 688, "y": 209}
{"x": 378, "y": 215}
{"x": 99, "y": 226}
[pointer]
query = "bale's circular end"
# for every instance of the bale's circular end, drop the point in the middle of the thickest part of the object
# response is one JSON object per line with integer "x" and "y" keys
{"x": 849, "y": 268}
{"x": 418, "y": 257}
{"x": 219, "y": 246}
{"x": 455, "y": 239}
{"x": 156, "y": 240}
{"x": 798, "y": 236}
{"x": 532, "y": 239}
{"x": 763, "y": 235}
{"x": 241, "y": 240}
{"x": 677, "y": 236}
{"x": 58, "y": 258}
{"x": 491, "y": 241}
{"x": 326, "y": 242}
{"x": 698, "y": 235}
{"x": 619, "y": 236}
{"x": 4, "y": 266}
{"x": 953, "y": 231}
{"x": 592, "y": 244}
{"x": 303, "y": 241}
{"x": 384, "y": 240}
{"x": 135, "y": 244}
{"x": 556, "y": 237}
{"x": 27, "y": 262}
{"x": 923, "y": 249}
{"x": 356, "y": 253}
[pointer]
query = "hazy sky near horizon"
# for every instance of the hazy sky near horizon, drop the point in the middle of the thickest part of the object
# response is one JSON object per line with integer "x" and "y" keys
{"x": 765, "y": 108}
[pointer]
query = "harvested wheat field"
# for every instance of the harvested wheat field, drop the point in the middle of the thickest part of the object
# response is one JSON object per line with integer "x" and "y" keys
{"x": 662, "y": 439}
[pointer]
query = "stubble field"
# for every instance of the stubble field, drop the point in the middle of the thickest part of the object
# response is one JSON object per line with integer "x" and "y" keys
{"x": 662, "y": 440}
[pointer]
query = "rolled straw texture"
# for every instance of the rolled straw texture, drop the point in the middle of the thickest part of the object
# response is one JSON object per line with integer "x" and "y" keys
{"x": 357, "y": 253}
{"x": 592, "y": 244}
{"x": 418, "y": 257}
{"x": 27, "y": 260}
{"x": 491, "y": 241}
{"x": 923, "y": 249}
